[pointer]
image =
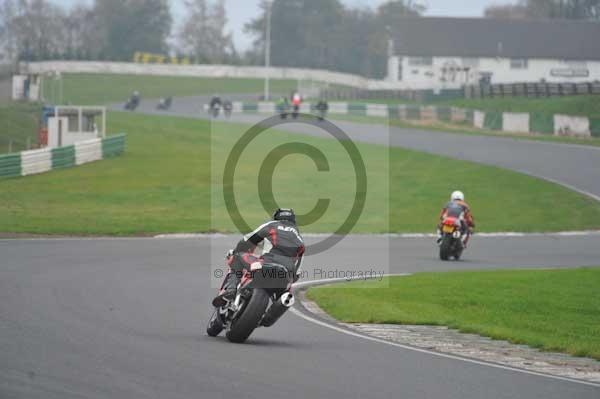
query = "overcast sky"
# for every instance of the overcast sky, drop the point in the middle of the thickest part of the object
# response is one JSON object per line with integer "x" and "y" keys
{"x": 241, "y": 11}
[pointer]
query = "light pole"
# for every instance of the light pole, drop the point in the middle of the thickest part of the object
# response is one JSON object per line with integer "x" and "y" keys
{"x": 268, "y": 49}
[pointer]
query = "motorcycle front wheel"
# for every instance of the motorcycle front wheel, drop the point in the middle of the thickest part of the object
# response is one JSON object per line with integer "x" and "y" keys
{"x": 215, "y": 324}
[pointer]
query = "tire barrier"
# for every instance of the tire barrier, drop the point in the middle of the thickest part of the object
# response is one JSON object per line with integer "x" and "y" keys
{"x": 46, "y": 159}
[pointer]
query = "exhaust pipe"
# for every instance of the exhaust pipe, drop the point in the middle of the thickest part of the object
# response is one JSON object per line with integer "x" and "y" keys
{"x": 277, "y": 309}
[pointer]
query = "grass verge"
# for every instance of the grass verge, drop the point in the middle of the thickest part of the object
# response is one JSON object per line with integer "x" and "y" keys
{"x": 95, "y": 89}
{"x": 18, "y": 126}
{"x": 553, "y": 310}
{"x": 166, "y": 183}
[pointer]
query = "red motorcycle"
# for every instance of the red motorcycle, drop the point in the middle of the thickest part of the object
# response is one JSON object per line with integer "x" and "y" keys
{"x": 451, "y": 243}
{"x": 263, "y": 296}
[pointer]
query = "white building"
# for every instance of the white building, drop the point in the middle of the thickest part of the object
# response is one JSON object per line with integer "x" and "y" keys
{"x": 435, "y": 53}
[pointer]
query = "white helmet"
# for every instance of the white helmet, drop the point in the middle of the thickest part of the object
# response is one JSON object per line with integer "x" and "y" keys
{"x": 457, "y": 196}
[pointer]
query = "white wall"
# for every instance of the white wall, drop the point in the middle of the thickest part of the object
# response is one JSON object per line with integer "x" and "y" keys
{"x": 421, "y": 77}
{"x": 210, "y": 71}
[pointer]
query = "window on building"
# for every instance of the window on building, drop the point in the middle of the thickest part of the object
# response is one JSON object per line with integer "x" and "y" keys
{"x": 420, "y": 61}
{"x": 519, "y": 63}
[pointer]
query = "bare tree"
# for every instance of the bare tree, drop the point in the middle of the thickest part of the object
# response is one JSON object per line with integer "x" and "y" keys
{"x": 506, "y": 11}
{"x": 204, "y": 33}
{"x": 7, "y": 43}
{"x": 570, "y": 9}
{"x": 33, "y": 29}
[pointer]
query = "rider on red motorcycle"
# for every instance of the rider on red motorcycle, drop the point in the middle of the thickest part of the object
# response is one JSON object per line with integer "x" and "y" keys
{"x": 276, "y": 242}
{"x": 457, "y": 207}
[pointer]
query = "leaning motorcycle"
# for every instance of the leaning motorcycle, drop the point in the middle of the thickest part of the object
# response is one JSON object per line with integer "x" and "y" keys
{"x": 262, "y": 297}
{"x": 451, "y": 244}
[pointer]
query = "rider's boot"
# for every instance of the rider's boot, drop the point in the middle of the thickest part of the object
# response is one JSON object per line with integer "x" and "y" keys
{"x": 228, "y": 290}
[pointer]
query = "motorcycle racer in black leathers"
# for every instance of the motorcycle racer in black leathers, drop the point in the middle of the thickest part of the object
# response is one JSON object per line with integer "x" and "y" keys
{"x": 276, "y": 242}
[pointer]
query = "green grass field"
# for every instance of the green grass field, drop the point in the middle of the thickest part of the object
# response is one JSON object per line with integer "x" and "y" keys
{"x": 554, "y": 310}
{"x": 97, "y": 89}
{"x": 163, "y": 183}
{"x": 18, "y": 125}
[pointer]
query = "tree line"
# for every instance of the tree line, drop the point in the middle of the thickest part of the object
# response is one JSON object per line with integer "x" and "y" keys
{"x": 549, "y": 9}
{"x": 322, "y": 34}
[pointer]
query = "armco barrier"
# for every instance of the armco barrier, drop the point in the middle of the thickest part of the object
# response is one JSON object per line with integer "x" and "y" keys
{"x": 63, "y": 157}
{"x": 113, "y": 146}
{"x": 88, "y": 151}
{"x": 445, "y": 114}
{"x": 43, "y": 160}
{"x": 357, "y": 109}
{"x": 413, "y": 112}
{"x": 490, "y": 120}
{"x": 515, "y": 122}
{"x": 541, "y": 123}
{"x": 595, "y": 127}
{"x": 36, "y": 161}
{"x": 10, "y": 165}
{"x": 493, "y": 120}
{"x": 479, "y": 119}
{"x": 565, "y": 125}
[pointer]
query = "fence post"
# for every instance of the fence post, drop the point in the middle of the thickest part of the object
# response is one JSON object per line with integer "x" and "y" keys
{"x": 28, "y": 143}
{"x": 9, "y": 146}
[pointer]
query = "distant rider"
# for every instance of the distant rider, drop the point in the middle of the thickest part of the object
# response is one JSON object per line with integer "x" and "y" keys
{"x": 276, "y": 242}
{"x": 215, "y": 101}
{"x": 283, "y": 106}
{"x": 322, "y": 107}
{"x": 296, "y": 102}
{"x": 227, "y": 108}
{"x": 458, "y": 208}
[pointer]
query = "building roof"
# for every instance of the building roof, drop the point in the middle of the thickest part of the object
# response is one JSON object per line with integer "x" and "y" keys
{"x": 480, "y": 37}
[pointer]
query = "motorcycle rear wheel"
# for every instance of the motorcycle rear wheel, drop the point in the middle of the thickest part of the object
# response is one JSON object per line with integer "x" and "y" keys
{"x": 445, "y": 247}
{"x": 245, "y": 324}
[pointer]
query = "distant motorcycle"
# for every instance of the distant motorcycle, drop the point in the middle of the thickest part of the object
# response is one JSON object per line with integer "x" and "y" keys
{"x": 227, "y": 109}
{"x": 451, "y": 244}
{"x": 263, "y": 296}
{"x": 322, "y": 108}
{"x": 164, "y": 104}
{"x": 132, "y": 104}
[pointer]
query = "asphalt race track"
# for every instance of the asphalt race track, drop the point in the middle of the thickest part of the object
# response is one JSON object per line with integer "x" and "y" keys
{"x": 125, "y": 318}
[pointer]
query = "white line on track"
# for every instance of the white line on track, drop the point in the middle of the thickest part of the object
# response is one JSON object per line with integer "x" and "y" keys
{"x": 412, "y": 348}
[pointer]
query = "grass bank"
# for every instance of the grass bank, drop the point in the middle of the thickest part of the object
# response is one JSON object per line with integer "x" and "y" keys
{"x": 94, "y": 89}
{"x": 170, "y": 180}
{"x": 553, "y": 310}
{"x": 19, "y": 124}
